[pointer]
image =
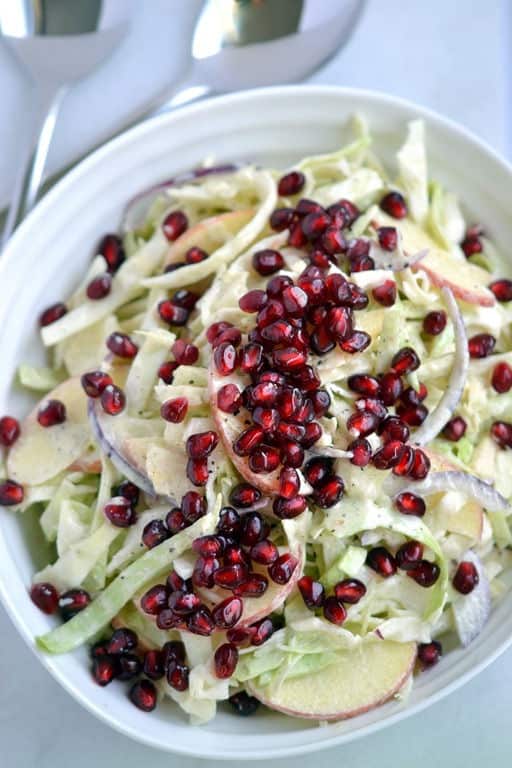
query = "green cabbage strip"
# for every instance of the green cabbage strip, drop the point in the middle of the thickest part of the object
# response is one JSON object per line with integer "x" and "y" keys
{"x": 102, "y": 610}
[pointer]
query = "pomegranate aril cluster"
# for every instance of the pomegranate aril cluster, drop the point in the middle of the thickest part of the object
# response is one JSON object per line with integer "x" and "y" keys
{"x": 409, "y": 558}
{"x": 345, "y": 592}
{"x": 192, "y": 507}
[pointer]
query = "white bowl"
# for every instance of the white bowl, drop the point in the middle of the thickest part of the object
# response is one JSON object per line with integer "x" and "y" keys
{"x": 49, "y": 253}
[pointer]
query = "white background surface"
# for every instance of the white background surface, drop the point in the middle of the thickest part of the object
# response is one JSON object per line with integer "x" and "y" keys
{"x": 451, "y": 55}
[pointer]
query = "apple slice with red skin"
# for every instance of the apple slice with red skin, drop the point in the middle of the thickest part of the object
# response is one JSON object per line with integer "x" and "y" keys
{"x": 469, "y": 519}
{"x": 40, "y": 453}
{"x": 209, "y": 234}
{"x": 363, "y": 677}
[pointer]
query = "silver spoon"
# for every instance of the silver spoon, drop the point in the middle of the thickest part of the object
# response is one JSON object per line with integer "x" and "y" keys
{"x": 56, "y": 45}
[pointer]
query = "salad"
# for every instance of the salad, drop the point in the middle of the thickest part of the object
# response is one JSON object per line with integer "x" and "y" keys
{"x": 272, "y": 461}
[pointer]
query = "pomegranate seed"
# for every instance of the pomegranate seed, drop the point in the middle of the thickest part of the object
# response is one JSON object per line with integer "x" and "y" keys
{"x": 113, "y": 400}
{"x": 128, "y": 491}
{"x": 45, "y": 596}
{"x": 385, "y": 293}
{"x": 329, "y": 492}
{"x": 266, "y": 418}
{"x": 414, "y": 416}
{"x": 201, "y": 622}
{"x": 289, "y": 431}
{"x": 292, "y": 454}
{"x": 501, "y": 432}
{"x": 11, "y": 493}
{"x": 174, "y": 225}
{"x": 410, "y": 504}
{"x": 235, "y": 555}
{"x": 51, "y": 413}
{"x": 227, "y": 613}
{"x": 208, "y": 546}
{"x": 322, "y": 341}
{"x": 184, "y": 352}
{"x": 362, "y": 423}
{"x": 289, "y": 483}
{"x": 305, "y": 206}
{"x": 98, "y": 649}
{"x": 318, "y": 469}
{"x": 344, "y": 213}
{"x": 153, "y": 664}
{"x": 174, "y": 410}
{"x": 388, "y": 238}
{"x": 166, "y": 620}
{"x": 291, "y": 184}
{"x": 381, "y": 561}
{"x": 174, "y": 650}
{"x": 429, "y": 653}
{"x": 339, "y": 323}
{"x": 262, "y": 631}
{"x": 195, "y": 255}
{"x": 197, "y": 471}
{"x": 244, "y": 495}
{"x": 357, "y": 342}
{"x": 172, "y": 314}
{"x": 229, "y": 398}
{"x": 264, "y": 459}
{"x": 154, "y": 533}
{"x": 281, "y": 219}
{"x": 364, "y": 385}
{"x": 225, "y": 358}
{"x": 314, "y": 287}
{"x": 52, "y": 314}
{"x": 143, "y": 695}
{"x": 105, "y": 669}
{"x": 174, "y": 582}
{"x": 229, "y": 522}
{"x": 349, "y": 591}
{"x": 471, "y": 245}
{"x": 248, "y": 440}
{"x": 123, "y": 640}
{"x": 186, "y": 299}
{"x": 279, "y": 332}
{"x": 267, "y": 261}
{"x": 230, "y": 576}
{"x": 239, "y": 635}
{"x": 321, "y": 401}
{"x": 410, "y": 396}
{"x": 193, "y": 506}
{"x": 289, "y": 401}
{"x": 119, "y": 512}
{"x": 154, "y": 600}
{"x": 421, "y": 465}
{"x": 283, "y": 569}
{"x": 252, "y": 301}
{"x": 333, "y": 241}
{"x": 466, "y": 577}
{"x": 286, "y": 509}
{"x": 297, "y": 238}
{"x": 178, "y": 674}
{"x": 502, "y": 289}
{"x": 200, "y": 445}
{"x": 253, "y": 529}
{"x": 289, "y": 358}
{"x": 307, "y": 378}
{"x": 315, "y": 223}
{"x": 312, "y": 592}
{"x": 334, "y": 611}
{"x": 94, "y": 382}
{"x": 9, "y": 430}
{"x": 277, "y": 284}
{"x": 405, "y": 361}
{"x": 265, "y": 393}
{"x": 121, "y": 345}
{"x": 72, "y": 602}
{"x": 455, "y": 429}
{"x": 111, "y": 248}
{"x": 405, "y": 463}
{"x": 337, "y": 288}
{"x": 481, "y": 345}
{"x": 409, "y": 554}
{"x": 424, "y": 573}
{"x": 434, "y": 323}
{"x": 99, "y": 287}
{"x": 204, "y": 571}
{"x": 357, "y": 298}
{"x": 255, "y": 585}
{"x": 243, "y": 704}
{"x": 216, "y": 329}
{"x": 264, "y": 552}
{"x": 183, "y": 603}
{"x": 393, "y": 428}
{"x": 360, "y": 263}
{"x": 294, "y": 300}
{"x": 225, "y": 660}
{"x": 362, "y": 452}
{"x": 313, "y": 434}
{"x": 166, "y": 371}
{"x": 394, "y": 205}
{"x": 501, "y": 378}
{"x": 389, "y": 455}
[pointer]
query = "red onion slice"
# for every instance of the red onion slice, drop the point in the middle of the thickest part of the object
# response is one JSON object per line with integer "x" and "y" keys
{"x": 444, "y": 410}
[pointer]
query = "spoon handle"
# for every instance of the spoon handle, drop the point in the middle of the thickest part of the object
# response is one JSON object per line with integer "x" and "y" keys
{"x": 30, "y": 174}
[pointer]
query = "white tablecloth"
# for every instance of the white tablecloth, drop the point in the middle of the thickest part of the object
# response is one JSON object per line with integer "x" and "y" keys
{"x": 451, "y": 55}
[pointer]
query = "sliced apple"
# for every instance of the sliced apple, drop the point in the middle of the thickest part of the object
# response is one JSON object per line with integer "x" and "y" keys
{"x": 209, "y": 234}
{"x": 362, "y": 678}
{"x": 466, "y": 281}
{"x": 89, "y": 462}
{"x": 40, "y": 453}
